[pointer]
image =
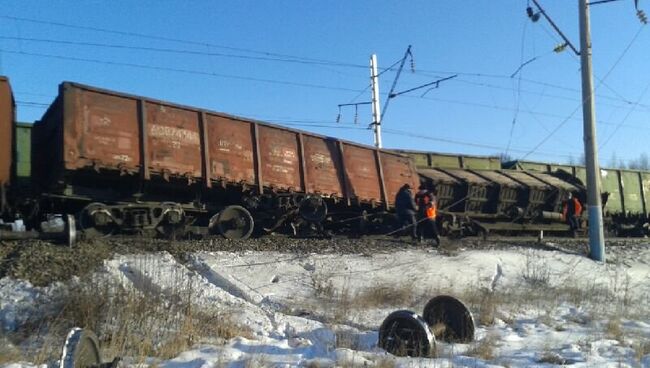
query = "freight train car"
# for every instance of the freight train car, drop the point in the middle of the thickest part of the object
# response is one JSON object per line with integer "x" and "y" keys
{"x": 7, "y": 148}
{"x": 132, "y": 164}
{"x": 482, "y": 201}
{"x": 424, "y": 159}
{"x": 627, "y": 193}
{"x": 477, "y": 196}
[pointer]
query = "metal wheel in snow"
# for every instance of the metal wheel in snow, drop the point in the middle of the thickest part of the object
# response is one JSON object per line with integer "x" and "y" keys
{"x": 80, "y": 350}
{"x": 449, "y": 319}
{"x": 404, "y": 333}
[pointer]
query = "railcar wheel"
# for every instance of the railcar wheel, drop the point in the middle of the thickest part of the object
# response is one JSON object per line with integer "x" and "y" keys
{"x": 233, "y": 222}
{"x": 70, "y": 230}
{"x": 449, "y": 319}
{"x": 404, "y": 333}
{"x": 80, "y": 350}
{"x": 172, "y": 220}
{"x": 96, "y": 220}
{"x": 313, "y": 208}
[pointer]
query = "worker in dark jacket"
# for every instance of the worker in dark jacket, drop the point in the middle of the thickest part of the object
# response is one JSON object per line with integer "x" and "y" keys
{"x": 571, "y": 211}
{"x": 427, "y": 203}
{"x": 406, "y": 209}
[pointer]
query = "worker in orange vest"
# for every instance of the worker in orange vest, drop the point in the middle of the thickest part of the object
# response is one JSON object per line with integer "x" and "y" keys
{"x": 571, "y": 211}
{"x": 427, "y": 211}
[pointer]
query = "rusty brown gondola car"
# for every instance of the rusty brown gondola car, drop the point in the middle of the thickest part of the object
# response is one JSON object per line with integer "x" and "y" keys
{"x": 7, "y": 118}
{"x": 134, "y": 164}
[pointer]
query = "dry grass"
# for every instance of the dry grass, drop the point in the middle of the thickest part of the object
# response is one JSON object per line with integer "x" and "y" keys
{"x": 9, "y": 353}
{"x": 381, "y": 296}
{"x": 641, "y": 349}
{"x": 485, "y": 304}
{"x": 258, "y": 361}
{"x": 551, "y": 358}
{"x": 341, "y": 303}
{"x": 386, "y": 362}
{"x": 536, "y": 271}
{"x": 614, "y": 330}
{"x": 322, "y": 285}
{"x": 347, "y": 340}
{"x": 130, "y": 322}
{"x": 484, "y": 349}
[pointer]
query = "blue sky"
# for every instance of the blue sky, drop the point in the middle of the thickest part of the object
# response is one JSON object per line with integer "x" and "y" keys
{"x": 293, "y": 62}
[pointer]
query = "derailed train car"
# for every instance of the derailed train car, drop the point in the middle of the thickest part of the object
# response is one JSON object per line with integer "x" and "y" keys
{"x": 126, "y": 163}
{"x": 476, "y": 196}
{"x": 626, "y": 208}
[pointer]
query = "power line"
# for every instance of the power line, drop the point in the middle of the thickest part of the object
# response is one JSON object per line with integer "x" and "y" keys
{"x": 464, "y": 143}
{"x": 601, "y": 81}
{"x": 517, "y": 93}
{"x": 507, "y": 77}
{"x": 618, "y": 126}
{"x": 187, "y": 71}
{"x": 279, "y": 57}
{"x": 566, "y": 98}
{"x": 182, "y": 52}
{"x": 505, "y": 108}
{"x": 163, "y": 38}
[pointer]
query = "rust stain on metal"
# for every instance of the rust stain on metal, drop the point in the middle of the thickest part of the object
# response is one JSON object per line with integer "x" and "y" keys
{"x": 323, "y": 166}
{"x": 102, "y": 131}
{"x": 174, "y": 140}
{"x": 279, "y": 154}
{"x": 361, "y": 169}
{"x": 399, "y": 171}
{"x": 230, "y": 145}
{"x": 205, "y": 150}
{"x": 7, "y": 114}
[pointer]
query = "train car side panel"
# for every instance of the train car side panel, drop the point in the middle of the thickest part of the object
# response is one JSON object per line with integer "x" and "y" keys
{"x": 481, "y": 163}
{"x": 7, "y": 115}
{"x": 610, "y": 184}
{"x": 323, "y": 166}
{"x": 632, "y": 197}
{"x": 280, "y": 160}
{"x": 361, "y": 171}
{"x": 397, "y": 172}
{"x": 23, "y": 158}
{"x": 231, "y": 150}
{"x": 421, "y": 159}
{"x": 173, "y": 140}
{"x": 645, "y": 187}
{"x": 100, "y": 130}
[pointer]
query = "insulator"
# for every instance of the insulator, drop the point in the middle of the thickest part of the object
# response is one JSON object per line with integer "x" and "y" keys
{"x": 530, "y": 12}
{"x": 356, "y": 114}
{"x": 338, "y": 118}
{"x": 642, "y": 16}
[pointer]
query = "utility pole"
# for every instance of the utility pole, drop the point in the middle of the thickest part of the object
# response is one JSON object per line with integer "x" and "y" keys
{"x": 376, "y": 111}
{"x": 594, "y": 207}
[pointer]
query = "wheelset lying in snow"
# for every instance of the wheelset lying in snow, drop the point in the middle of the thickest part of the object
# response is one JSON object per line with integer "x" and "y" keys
{"x": 81, "y": 350}
{"x": 405, "y": 333}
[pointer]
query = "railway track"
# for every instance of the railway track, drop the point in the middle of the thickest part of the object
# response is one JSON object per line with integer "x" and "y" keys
{"x": 42, "y": 262}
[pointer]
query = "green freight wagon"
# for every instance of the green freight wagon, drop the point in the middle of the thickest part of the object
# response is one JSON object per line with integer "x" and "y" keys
{"x": 627, "y": 194}
{"x": 23, "y": 152}
{"x": 425, "y": 159}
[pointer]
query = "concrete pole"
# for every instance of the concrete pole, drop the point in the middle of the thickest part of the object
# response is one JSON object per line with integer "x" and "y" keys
{"x": 376, "y": 111}
{"x": 594, "y": 207}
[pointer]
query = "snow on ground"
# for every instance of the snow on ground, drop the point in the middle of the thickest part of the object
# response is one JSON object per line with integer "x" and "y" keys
{"x": 308, "y": 310}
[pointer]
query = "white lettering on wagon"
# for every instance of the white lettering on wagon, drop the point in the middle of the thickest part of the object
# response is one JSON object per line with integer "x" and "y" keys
{"x": 178, "y": 136}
